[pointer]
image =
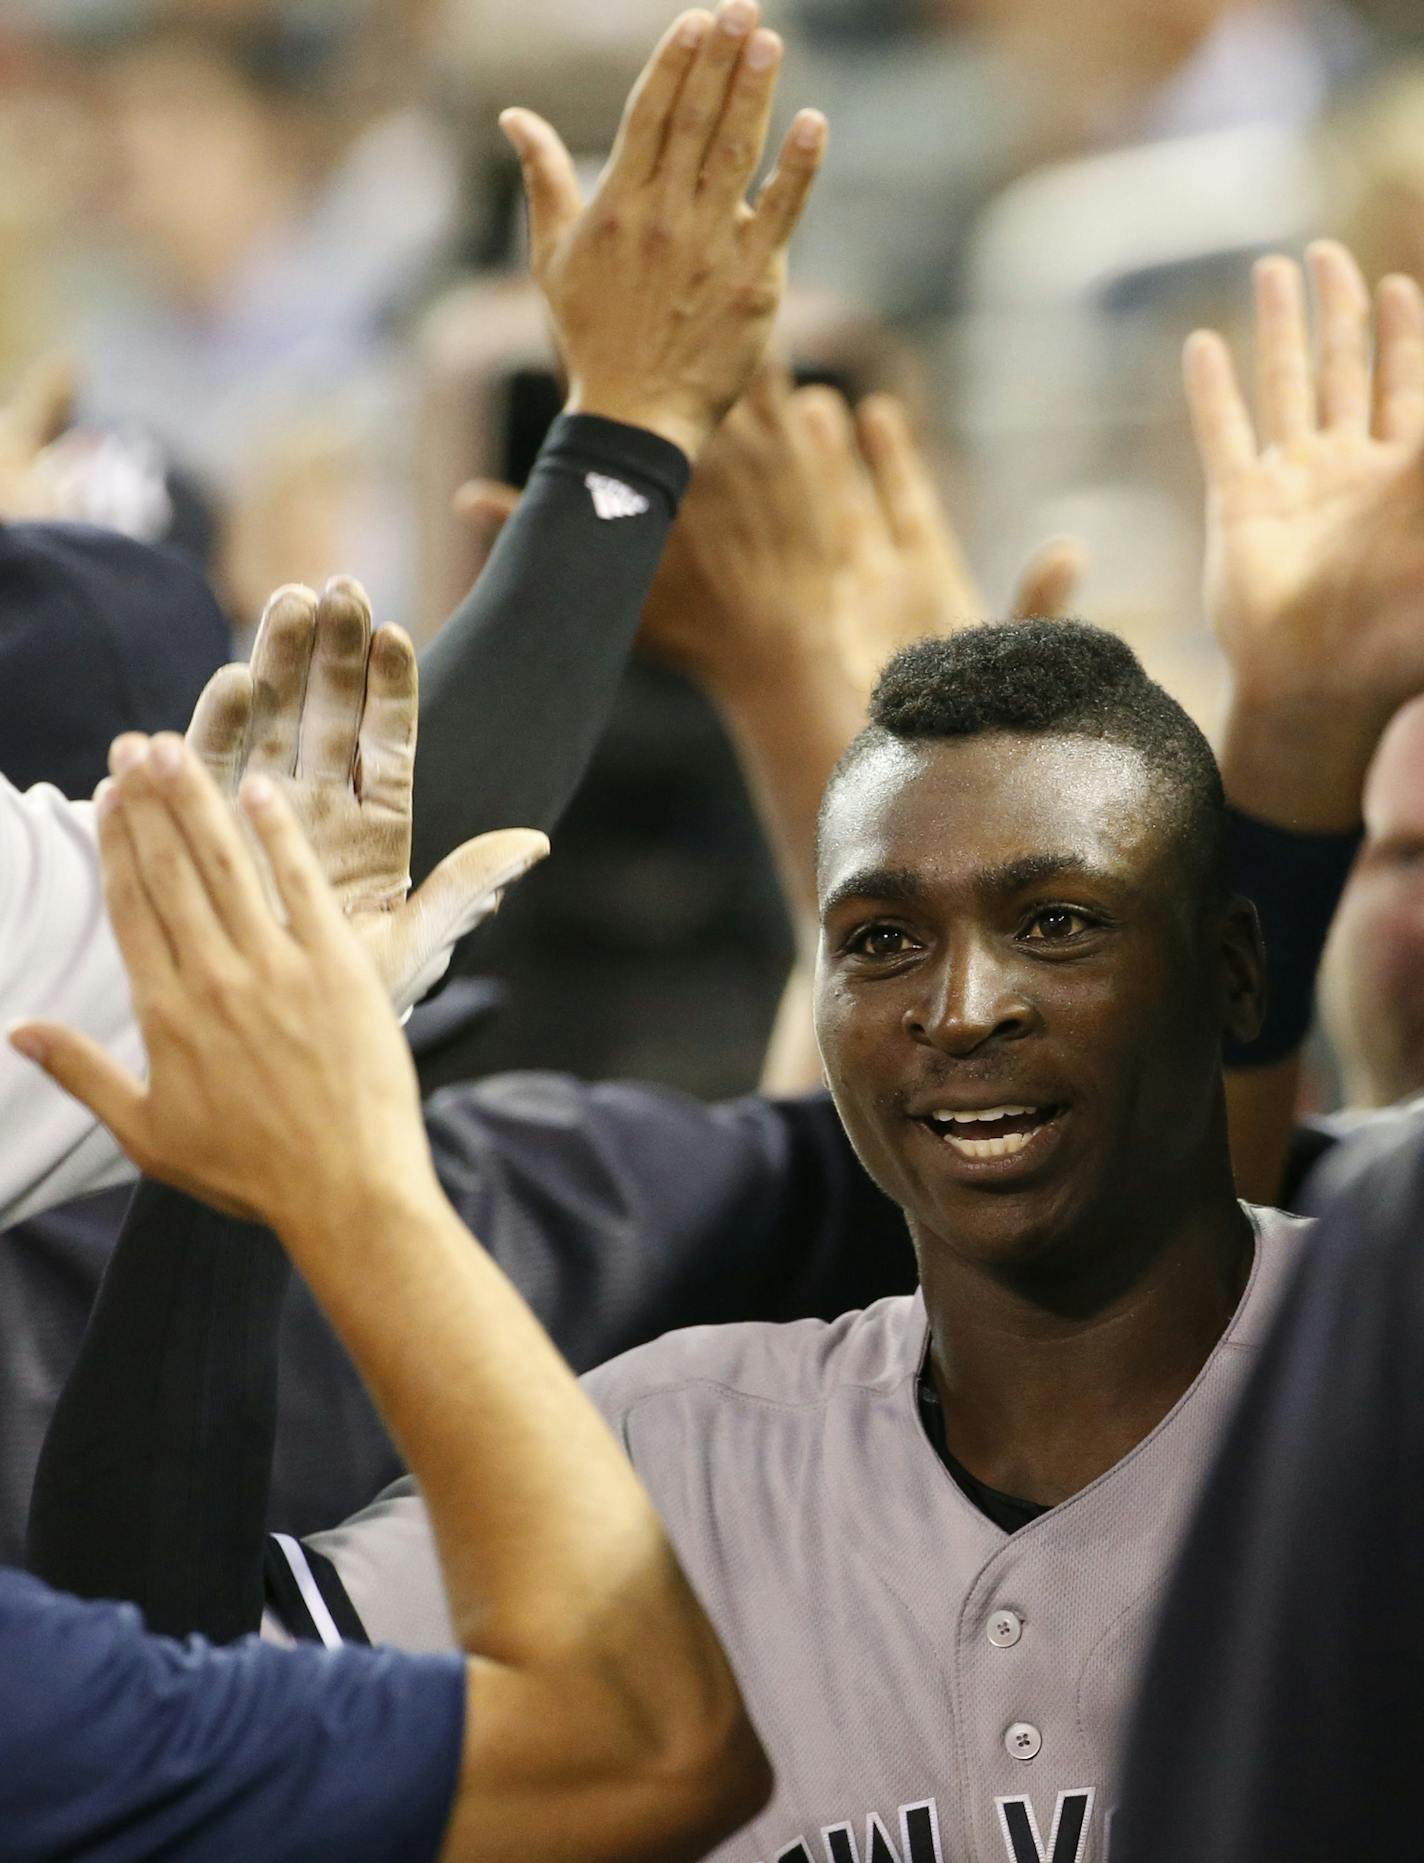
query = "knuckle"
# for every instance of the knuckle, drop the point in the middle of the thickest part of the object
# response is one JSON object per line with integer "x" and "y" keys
{"x": 659, "y": 234}
{"x": 754, "y": 298}
{"x": 221, "y": 991}
{"x": 223, "y": 865}
{"x": 164, "y": 870}
{"x": 695, "y": 121}
{"x": 295, "y": 881}
{"x": 735, "y": 152}
{"x": 164, "y": 1019}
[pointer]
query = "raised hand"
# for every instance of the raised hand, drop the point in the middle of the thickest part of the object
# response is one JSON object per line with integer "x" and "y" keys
{"x": 664, "y": 288}
{"x": 328, "y": 710}
{"x": 273, "y": 1058}
{"x": 747, "y": 584}
{"x": 1315, "y": 530}
{"x": 812, "y": 544}
{"x": 903, "y": 572}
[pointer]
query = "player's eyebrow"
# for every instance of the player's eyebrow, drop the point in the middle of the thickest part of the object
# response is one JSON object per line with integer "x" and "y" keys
{"x": 1034, "y": 869}
{"x": 896, "y": 885}
{"x": 903, "y": 886}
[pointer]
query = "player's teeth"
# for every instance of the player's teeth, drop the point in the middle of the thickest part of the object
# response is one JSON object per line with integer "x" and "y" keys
{"x": 989, "y": 1148}
{"x": 988, "y": 1112}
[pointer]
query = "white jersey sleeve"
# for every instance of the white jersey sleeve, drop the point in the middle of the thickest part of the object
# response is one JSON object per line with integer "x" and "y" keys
{"x": 59, "y": 962}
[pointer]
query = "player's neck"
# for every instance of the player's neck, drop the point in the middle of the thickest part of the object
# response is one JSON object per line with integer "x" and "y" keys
{"x": 1043, "y": 1391}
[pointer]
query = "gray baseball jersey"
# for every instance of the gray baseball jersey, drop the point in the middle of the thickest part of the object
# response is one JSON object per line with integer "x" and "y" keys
{"x": 930, "y": 1688}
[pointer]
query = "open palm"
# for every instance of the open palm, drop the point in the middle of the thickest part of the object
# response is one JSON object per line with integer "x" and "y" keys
{"x": 1315, "y": 512}
{"x": 328, "y": 711}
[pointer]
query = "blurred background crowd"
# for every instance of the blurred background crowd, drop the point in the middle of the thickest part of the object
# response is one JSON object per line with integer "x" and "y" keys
{"x": 275, "y": 247}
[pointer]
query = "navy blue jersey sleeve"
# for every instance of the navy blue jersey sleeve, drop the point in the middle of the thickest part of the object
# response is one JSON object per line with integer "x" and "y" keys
{"x": 119, "y": 1745}
{"x": 620, "y": 1211}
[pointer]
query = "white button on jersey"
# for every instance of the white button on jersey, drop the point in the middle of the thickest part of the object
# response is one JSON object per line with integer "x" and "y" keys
{"x": 1022, "y": 1741}
{"x": 1005, "y": 1629}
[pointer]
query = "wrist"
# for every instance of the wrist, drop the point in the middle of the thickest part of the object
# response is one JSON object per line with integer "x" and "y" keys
{"x": 784, "y": 719}
{"x": 333, "y": 1219}
{"x": 1295, "y": 880}
{"x": 684, "y": 429}
{"x": 1299, "y": 765}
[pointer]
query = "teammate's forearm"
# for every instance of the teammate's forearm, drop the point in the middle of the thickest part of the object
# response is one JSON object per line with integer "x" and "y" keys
{"x": 788, "y": 732}
{"x": 545, "y": 1534}
{"x": 518, "y": 686}
{"x": 1300, "y": 766}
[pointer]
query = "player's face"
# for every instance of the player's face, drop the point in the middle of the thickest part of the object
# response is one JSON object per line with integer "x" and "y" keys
{"x": 1007, "y": 930}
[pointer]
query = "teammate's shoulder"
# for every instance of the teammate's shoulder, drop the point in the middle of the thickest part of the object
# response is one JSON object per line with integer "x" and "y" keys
{"x": 796, "y": 1362}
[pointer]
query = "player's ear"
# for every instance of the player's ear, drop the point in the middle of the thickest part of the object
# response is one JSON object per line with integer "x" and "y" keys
{"x": 1243, "y": 971}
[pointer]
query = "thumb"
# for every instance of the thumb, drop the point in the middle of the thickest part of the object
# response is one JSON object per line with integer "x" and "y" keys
{"x": 86, "y": 1071}
{"x": 551, "y": 185}
{"x": 1049, "y": 579}
{"x": 487, "y": 503}
{"x": 463, "y": 890}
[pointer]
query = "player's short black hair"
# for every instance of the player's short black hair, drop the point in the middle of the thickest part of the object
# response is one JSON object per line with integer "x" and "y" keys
{"x": 1059, "y": 678}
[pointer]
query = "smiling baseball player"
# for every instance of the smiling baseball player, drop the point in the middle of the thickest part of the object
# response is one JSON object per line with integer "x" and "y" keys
{"x": 931, "y": 1534}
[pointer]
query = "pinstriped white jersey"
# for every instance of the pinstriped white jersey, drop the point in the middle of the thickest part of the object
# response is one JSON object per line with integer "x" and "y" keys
{"x": 930, "y": 1688}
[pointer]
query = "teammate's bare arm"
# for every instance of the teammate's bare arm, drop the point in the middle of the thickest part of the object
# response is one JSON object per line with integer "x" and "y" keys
{"x": 661, "y": 293}
{"x": 603, "y": 1719}
{"x": 1314, "y": 574}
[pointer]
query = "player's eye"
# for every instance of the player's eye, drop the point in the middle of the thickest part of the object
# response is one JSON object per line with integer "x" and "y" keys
{"x": 1055, "y": 924}
{"x": 879, "y": 941}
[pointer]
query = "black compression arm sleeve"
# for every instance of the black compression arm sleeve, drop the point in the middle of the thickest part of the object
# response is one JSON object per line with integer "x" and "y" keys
{"x": 152, "y": 1483}
{"x": 518, "y": 686}
{"x": 1295, "y": 881}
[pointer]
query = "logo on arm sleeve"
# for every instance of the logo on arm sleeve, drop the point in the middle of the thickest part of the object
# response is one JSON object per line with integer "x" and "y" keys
{"x": 612, "y": 498}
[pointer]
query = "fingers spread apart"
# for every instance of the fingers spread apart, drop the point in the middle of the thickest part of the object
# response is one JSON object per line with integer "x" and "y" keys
{"x": 1225, "y": 437}
{"x": 1345, "y": 391}
{"x": 1343, "y": 315}
{"x": 1399, "y": 367}
{"x": 1285, "y": 389}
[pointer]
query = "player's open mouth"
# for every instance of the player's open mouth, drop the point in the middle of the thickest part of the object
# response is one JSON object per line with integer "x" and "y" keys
{"x": 989, "y": 1131}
